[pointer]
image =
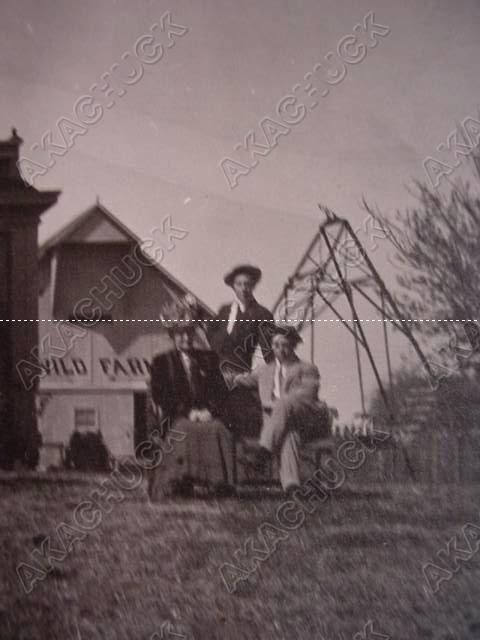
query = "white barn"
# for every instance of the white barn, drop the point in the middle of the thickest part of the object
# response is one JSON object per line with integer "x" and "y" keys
{"x": 95, "y": 377}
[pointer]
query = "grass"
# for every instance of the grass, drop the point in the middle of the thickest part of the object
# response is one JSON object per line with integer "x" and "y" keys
{"x": 358, "y": 558}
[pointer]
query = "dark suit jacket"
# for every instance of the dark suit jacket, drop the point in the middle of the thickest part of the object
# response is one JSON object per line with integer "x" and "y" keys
{"x": 171, "y": 390}
{"x": 236, "y": 350}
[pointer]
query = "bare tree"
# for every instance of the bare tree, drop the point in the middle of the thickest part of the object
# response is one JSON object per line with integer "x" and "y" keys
{"x": 455, "y": 407}
{"x": 437, "y": 250}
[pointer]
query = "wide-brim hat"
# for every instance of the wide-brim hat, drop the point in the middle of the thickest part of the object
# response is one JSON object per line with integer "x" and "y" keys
{"x": 254, "y": 272}
{"x": 285, "y": 329}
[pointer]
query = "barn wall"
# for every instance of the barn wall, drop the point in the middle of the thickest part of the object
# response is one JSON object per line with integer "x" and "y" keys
{"x": 103, "y": 366}
{"x": 114, "y": 415}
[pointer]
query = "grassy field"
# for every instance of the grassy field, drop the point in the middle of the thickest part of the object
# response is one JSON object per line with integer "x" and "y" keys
{"x": 154, "y": 568}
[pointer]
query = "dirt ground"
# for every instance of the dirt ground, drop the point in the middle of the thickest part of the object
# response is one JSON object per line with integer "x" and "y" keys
{"x": 149, "y": 571}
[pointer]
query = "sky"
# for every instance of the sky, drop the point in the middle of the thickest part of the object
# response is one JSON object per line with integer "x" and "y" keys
{"x": 157, "y": 150}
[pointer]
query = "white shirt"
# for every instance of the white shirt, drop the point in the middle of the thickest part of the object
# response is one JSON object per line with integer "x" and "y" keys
{"x": 278, "y": 379}
{"x": 236, "y": 305}
{"x": 187, "y": 364}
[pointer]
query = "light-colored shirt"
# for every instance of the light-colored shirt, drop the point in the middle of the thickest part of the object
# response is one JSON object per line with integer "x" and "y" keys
{"x": 236, "y": 305}
{"x": 278, "y": 379}
{"x": 187, "y": 364}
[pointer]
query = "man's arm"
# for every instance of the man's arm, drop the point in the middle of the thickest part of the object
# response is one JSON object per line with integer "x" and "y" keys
{"x": 249, "y": 380}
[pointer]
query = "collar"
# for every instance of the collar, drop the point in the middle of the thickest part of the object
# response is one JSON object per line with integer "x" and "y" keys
{"x": 287, "y": 363}
{"x": 243, "y": 307}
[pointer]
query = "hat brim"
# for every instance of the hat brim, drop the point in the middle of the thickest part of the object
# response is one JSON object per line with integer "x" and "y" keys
{"x": 254, "y": 272}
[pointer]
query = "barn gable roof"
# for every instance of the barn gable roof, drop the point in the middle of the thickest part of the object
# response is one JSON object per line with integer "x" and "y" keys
{"x": 99, "y": 225}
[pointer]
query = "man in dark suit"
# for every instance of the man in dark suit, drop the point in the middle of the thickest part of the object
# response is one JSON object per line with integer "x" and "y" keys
{"x": 186, "y": 380}
{"x": 241, "y": 325}
{"x": 190, "y": 396}
{"x": 234, "y": 335}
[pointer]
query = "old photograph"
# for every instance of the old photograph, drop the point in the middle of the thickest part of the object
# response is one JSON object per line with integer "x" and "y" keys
{"x": 239, "y": 320}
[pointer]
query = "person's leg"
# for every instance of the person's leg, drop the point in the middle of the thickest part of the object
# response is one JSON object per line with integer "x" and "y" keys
{"x": 290, "y": 461}
{"x": 293, "y": 417}
{"x": 289, "y": 413}
{"x": 275, "y": 425}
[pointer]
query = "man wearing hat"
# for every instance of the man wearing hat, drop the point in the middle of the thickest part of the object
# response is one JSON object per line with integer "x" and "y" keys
{"x": 292, "y": 412}
{"x": 240, "y": 326}
{"x": 237, "y": 330}
{"x": 191, "y": 396}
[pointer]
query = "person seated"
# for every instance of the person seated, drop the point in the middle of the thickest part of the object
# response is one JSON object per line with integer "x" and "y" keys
{"x": 292, "y": 412}
{"x": 190, "y": 394}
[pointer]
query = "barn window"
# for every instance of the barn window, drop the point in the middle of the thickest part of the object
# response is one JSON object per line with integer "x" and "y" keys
{"x": 85, "y": 419}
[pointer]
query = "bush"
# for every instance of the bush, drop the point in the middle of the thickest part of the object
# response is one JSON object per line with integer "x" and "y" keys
{"x": 87, "y": 452}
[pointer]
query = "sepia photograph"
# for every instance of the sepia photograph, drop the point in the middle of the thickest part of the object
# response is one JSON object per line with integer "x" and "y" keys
{"x": 239, "y": 320}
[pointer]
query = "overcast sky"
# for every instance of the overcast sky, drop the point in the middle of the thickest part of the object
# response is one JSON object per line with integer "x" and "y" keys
{"x": 157, "y": 150}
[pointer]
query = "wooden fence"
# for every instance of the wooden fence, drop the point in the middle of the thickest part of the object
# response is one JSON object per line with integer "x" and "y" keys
{"x": 436, "y": 457}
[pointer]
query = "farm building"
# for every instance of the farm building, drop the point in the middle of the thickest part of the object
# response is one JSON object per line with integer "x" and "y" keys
{"x": 95, "y": 371}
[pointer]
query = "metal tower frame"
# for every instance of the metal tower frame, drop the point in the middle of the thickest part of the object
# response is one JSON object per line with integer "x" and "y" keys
{"x": 324, "y": 267}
